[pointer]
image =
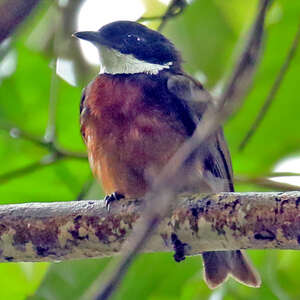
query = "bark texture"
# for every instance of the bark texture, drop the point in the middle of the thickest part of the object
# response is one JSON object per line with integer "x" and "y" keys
{"x": 201, "y": 222}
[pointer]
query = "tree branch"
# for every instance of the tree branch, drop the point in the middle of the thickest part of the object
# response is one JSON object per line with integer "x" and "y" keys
{"x": 84, "y": 229}
{"x": 12, "y": 13}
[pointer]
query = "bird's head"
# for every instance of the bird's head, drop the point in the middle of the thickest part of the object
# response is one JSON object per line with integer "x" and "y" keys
{"x": 129, "y": 47}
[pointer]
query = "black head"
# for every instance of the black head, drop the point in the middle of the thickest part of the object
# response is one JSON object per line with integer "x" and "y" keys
{"x": 136, "y": 39}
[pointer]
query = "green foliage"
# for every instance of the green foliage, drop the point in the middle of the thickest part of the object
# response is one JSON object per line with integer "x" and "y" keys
{"x": 209, "y": 34}
{"x": 19, "y": 280}
{"x": 278, "y": 135}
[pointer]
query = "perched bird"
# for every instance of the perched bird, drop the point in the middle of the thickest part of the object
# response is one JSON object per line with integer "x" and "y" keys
{"x": 136, "y": 114}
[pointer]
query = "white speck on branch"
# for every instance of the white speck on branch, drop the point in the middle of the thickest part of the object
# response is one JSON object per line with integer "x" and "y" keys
{"x": 205, "y": 222}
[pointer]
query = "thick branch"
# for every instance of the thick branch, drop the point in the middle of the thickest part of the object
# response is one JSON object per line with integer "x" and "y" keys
{"x": 73, "y": 230}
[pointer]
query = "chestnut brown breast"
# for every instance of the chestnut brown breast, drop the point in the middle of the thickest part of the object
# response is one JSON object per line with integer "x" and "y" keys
{"x": 129, "y": 138}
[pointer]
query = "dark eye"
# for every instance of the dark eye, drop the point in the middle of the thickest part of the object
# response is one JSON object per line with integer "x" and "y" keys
{"x": 134, "y": 38}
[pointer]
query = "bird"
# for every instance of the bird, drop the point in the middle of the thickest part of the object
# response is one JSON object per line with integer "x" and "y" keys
{"x": 136, "y": 114}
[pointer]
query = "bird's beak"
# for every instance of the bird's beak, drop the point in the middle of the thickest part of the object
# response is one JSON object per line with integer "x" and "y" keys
{"x": 91, "y": 36}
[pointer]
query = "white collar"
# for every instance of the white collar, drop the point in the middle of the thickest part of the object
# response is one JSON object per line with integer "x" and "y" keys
{"x": 115, "y": 62}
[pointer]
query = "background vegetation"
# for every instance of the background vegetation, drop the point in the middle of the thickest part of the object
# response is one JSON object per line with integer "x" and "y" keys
{"x": 40, "y": 144}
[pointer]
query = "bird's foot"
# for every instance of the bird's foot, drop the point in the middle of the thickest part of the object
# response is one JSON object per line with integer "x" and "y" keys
{"x": 179, "y": 247}
{"x": 112, "y": 198}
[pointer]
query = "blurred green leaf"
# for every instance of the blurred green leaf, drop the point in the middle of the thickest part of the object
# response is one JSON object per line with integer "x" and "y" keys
{"x": 204, "y": 38}
{"x": 19, "y": 280}
{"x": 152, "y": 276}
{"x": 69, "y": 280}
{"x": 278, "y": 134}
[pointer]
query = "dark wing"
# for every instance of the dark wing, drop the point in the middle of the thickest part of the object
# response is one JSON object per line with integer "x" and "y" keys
{"x": 224, "y": 161}
{"x": 214, "y": 157}
{"x": 191, "y": 91}
{"x": 83, "y": 109}
{"x": 82, "y": 100}
{"x": 214, "y": 152}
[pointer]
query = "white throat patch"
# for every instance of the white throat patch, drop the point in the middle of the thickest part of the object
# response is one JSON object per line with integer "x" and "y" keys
{"x": 115, "y": 62}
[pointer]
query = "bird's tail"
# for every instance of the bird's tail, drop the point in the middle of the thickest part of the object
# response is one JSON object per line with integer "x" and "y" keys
{"x": 220, "y": 264}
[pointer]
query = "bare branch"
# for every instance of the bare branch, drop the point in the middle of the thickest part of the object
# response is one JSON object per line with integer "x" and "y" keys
{"x": 84, "y": 229}
{"x": 274, "y": 89}
{"x": 12, "y": 13}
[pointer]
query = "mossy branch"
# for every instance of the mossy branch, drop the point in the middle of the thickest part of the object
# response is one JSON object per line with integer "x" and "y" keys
{"x": 84, "y": 229}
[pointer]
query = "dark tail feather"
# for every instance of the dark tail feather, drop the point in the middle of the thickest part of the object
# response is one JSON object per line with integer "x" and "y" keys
{"x": 218, "y": 265}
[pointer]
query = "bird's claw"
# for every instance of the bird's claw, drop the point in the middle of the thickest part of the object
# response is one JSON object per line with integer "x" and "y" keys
{"x": 112, "y": 198}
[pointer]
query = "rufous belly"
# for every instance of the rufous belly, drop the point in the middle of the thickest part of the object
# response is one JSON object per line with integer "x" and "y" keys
{"x": 128, "y": 141}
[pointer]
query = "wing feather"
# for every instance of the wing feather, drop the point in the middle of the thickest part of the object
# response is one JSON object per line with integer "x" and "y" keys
{"x": 213, "y": 154}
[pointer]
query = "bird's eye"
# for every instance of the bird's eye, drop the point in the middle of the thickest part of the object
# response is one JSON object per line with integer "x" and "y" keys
{"x": 133, "y": 37}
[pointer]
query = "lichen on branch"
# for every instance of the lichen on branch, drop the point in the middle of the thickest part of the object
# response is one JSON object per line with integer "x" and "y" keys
{"x": 203, "y": 222}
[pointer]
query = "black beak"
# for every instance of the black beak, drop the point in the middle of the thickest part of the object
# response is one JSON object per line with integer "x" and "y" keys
{"x": 91, "y": 36}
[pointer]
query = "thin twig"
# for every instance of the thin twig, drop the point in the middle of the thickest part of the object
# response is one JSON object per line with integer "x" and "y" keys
{"x": 153, "y": 18}
{"x": 175, "y": 8}
{"x": 113, "y": 283}
{"x": 51, "y": 158}
{"x": 14, "y": 174}
{"x": 274, "y": 89}
{"x": 16, "y": 132}
{"x": 282, "y": 174}
{"x": 272, "y": 174}
{"x": 50, "y": 134}
{"x": 163, "y": 188}
{"x": 266, "y": 183}
{"x": 71, "y": 154}
{"x": 85, "y": 188}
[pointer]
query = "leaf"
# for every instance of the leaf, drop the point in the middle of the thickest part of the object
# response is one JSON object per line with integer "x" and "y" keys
{"x": 278, "y": 134}
{"x": 152, "y": 276}
{"x": 19, "y": 280}
{"x": 69, "y": 280}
